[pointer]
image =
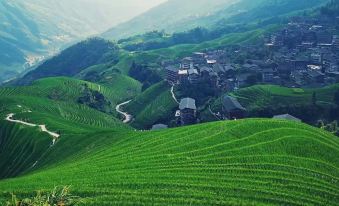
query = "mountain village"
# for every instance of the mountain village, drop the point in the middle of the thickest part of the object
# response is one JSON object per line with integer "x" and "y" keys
{"x": 302, "y": 54}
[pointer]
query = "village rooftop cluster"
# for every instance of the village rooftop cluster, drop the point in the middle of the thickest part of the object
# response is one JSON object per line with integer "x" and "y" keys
{"x": 304, "y": 53}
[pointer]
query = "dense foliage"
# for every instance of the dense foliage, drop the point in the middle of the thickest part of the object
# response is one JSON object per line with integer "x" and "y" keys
{"x": 75, "y": 59}
{"x": 145, "y": 75}
{"x": 94, "y": 99}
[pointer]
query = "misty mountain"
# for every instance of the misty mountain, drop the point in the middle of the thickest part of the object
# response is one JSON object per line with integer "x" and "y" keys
{"x": 182, "y": 15}
{"x": 32, "y": 29}
{"x": 74, "y": 59}
{"x": 173, "y": 15}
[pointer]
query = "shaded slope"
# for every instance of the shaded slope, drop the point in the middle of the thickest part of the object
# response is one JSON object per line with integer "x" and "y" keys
{"x": 51, "y": 102}
{"x": 24, "y": 143}
{"x": 74, "y": 59}
{"x": 152, "y": 106}
{"x": 248, "y": 162}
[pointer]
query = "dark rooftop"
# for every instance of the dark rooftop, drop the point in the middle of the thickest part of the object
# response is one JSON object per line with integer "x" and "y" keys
{"x": 287, "y": 117}
{"x": 187, "y": 103}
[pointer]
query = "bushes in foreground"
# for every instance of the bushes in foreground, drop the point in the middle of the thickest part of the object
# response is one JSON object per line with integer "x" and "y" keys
{"x": 59, "y": 196}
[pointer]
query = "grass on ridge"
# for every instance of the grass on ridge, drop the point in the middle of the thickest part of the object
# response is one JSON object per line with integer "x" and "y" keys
{"x": 247, "y": 162}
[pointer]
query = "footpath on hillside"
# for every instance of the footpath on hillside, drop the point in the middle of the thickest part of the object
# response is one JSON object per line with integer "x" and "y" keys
{"x": 43, "y": 128}
{"x": 127, "y": 117}
{"x": 173, "y": 95}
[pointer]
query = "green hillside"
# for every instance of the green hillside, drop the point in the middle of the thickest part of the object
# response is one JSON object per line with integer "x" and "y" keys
{"x": 62, "y": 127}
{"x": 248, "y": 162}
{"x": 154, "y": 105}
{"x": 74, "y": 60}
{"x": 262, "y": 96}
{"x": 52, "y": 102}
{"x": 308, "y": 104}
{"x": 116, "y": 88}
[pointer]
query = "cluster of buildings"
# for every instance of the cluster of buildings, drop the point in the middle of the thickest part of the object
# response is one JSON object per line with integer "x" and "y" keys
{"x": 192, "y": 70}
{"x": 304, "y": 53}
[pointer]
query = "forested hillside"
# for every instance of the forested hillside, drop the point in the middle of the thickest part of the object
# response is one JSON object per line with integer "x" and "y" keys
{"x": 74, "y": 59}
{"x": 33, "y": 30}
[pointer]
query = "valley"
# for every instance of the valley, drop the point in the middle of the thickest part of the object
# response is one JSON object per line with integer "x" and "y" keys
{"x": 226, "y": 103}
{"x": 37, "y": 27}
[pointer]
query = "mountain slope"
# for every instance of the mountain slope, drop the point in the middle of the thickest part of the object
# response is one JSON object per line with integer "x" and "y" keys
{"x": 54, "y": 102}
{"x": 167, "y": 16}
{"x": 31, "y": 30}
{"x": 75, "y": 59}
{"x": 18, "y": 33}
{"x": 248, "y": 162}
{"x": 154, "y": 105}
{"x": 178, "y": 16}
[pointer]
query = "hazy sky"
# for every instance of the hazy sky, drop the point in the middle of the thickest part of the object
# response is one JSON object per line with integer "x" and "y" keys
{"x": 100, "y": 14}
{"x": 118, "y": 11}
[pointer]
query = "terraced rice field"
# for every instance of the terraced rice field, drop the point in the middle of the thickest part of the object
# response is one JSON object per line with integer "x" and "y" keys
{"x": 249, "y": 162}
{"x": 268, "y": 95}
{"x": 67, "y": 89}
{"x": 152, "y": 105}
{"x": 21, "y": 147}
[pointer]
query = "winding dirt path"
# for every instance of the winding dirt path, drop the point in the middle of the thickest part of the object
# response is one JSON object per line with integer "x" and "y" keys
{"x": 42, "y": 127}
{"x": 173, "y": 95}
{"x": 127, "y": 117}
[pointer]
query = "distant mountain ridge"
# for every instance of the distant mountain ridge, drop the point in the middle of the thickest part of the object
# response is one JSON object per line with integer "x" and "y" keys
{"x": 178, "y": 16}
{"x": 173, "y": 15}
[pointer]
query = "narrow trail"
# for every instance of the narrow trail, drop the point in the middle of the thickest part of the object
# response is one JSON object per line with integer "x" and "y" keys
{"x": 173, "y": 95}
{"x": 42, "y": 127}
{"x": 214, "y": 114}
{"x": 127, "y": 117}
